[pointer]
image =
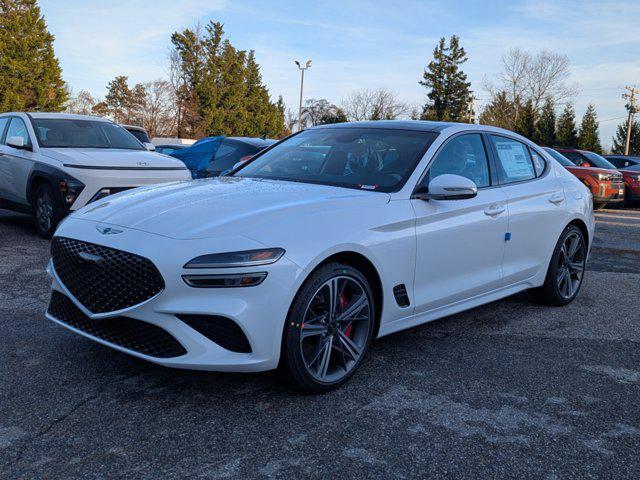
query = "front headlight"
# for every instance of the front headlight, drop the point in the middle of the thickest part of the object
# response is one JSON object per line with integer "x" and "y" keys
{"x": 601, "y": 176}
{"x": 70, "y": 189}
{"x": 246, "y": 258}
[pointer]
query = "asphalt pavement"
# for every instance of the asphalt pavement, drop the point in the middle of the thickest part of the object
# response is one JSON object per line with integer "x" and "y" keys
{"x": 508, "y": 390}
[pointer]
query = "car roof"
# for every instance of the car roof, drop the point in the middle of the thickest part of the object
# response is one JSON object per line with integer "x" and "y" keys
{"x": 134, "y": 127}
{"x": 256, "y": 142}
{"x": 64, "y": 116}
{"x": 420, "y": 125}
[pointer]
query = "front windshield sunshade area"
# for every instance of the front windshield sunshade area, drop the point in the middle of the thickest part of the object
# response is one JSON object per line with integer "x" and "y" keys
{"x": 68, "y": 133}
{"x": 363, "y": 158}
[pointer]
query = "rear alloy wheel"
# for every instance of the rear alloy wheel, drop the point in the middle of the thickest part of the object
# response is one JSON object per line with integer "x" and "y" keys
{"x": 329, "y": 329}
{"x": 566, "y": 270}
{"x": 46, "y": 214}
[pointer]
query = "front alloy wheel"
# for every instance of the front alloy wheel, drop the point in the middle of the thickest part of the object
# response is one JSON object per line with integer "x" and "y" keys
{"x": 46, "y": 213}
{"x": 329, "y": 328}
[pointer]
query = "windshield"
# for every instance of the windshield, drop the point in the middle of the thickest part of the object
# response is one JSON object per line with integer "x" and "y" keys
{"x": 363, "y": 158}
{"x": 562, "y": 160}
{"x": 599, "y": 161}
{"x": 68, "y": 133}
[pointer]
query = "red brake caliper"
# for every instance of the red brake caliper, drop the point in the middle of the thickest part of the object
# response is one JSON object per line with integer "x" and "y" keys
{"x": 343, "y": 304}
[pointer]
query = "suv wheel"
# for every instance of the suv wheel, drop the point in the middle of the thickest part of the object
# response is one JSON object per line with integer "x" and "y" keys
{"x": 329, "y": 328}
{"x": 566, "y": 270}
{"x": 46, "y": 212}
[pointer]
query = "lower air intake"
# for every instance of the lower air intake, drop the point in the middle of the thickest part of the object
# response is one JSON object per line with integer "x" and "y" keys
{"x": 221, "y": 330}
{"x": 135, "y": 335}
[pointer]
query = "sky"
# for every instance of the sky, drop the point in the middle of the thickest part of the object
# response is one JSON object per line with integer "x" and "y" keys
{"x": 356, "y": 44}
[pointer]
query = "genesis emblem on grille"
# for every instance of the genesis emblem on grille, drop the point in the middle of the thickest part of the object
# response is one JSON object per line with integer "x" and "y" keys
{"x": 107, "y": 230}
{"x": 90, "y": 257}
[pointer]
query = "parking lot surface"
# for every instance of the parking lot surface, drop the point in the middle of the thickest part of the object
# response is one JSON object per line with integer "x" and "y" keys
{"x": 507, "y": 390}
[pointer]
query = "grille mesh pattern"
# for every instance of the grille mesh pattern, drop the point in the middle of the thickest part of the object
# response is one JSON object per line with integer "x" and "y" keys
{"x": 221, "y": 330}
{"x": 125, "y": 332}
{"x": 106, "y": 279}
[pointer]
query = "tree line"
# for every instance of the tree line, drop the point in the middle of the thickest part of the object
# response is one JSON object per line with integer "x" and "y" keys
{"x": 214, "y": 88}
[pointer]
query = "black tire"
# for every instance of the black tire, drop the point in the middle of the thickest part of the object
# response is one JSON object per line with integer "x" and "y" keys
{"x": 46, "y": 211}
{"x": 295, "y": 358}
{"x": 556, "y": 291}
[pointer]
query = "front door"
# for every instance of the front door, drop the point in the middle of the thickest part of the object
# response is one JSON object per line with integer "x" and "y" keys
{"x": 460, "y": 243}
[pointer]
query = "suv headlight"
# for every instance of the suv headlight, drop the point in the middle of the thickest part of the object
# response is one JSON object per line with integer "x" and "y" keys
{"x": 246, "y": 258}
{"x": 601, "y": 176}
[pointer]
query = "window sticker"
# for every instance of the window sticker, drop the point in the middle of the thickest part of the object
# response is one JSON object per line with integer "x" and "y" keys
{"x": 514, "y": 159}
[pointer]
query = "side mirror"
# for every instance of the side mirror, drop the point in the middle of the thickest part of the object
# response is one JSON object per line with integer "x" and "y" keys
{"x": 17, "y": 142}
{"x": 447, "y": 187}
{"x": 149, "y": 146}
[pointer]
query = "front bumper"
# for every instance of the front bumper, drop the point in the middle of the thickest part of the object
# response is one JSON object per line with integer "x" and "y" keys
{"x": 260, "y": 311}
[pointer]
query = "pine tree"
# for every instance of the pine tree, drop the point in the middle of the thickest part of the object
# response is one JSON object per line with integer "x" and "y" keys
{"x": 499, "y": 113}
{"x": 547, "y": 125}
{"x": 526, "y": 123}
{"x": 447, "y": 86}
{"x": 588, "y": 137}
{"x": 122, "y": 103}
{"x": 230, "y": 97}
{"x": 620, "y": 140}
{"x": 566, "y": 134}
{"x": 30, "y": 75}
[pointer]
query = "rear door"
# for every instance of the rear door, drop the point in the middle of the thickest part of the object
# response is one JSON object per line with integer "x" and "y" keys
{"x": 16, "y": 163}
{"x": 536, "y": 205}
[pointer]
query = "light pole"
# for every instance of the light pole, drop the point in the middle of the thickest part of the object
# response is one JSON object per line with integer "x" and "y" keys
{"x": 302, "y": 69}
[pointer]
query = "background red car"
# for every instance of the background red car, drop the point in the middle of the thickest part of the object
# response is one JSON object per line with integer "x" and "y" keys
{"x": 591, "y": 159}
{"x": 606, "y": 185}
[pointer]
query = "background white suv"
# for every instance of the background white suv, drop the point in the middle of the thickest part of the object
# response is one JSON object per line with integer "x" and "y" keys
{"x": 51, "y": 163}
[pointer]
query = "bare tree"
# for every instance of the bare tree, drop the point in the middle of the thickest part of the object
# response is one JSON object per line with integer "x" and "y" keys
{"x": 379, "y": 104}
{"x": 525, "y": 76}
{"x": 82, "y": 103}
{"x": 157, "y": 114}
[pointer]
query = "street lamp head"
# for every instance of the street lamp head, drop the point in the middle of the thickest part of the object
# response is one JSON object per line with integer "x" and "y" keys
{"x": 308, "y": 63}
{"x": 297, "y": 63}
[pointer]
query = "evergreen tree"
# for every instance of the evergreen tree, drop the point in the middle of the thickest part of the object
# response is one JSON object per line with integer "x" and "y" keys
{"x": 526, "y": 123}
{"x": 225, "y": 85}
{"x": 122, "y": 103}
{"x": 500, "y": 112}
{"x": 547, "y": 124}
{"x": 588, "y": 137}
{"x": 448, "y": 90}
{"x": 566, "y": 134}
{"x": 620, "y": 140}
{"x": 30, "y": 75}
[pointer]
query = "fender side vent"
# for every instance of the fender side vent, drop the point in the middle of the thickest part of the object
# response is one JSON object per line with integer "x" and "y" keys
{"x": 400, "y": 292}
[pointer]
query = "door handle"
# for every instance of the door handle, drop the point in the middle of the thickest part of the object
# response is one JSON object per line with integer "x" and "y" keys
{"x": 494, "y": 210}
{"x": 556, "y": 198}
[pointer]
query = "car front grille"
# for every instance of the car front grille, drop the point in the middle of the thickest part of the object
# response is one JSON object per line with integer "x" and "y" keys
{"x": 104, "y": 279}
{"x": 135, "y": 335}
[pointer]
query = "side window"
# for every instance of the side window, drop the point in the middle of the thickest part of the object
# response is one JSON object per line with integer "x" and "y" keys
{"x": 17, "y": 128}
{"x": 464, "y": 155}
{"x": 575, "y": 157}
{"x": 538, "y": 162}
{"x": 514, "y": 161}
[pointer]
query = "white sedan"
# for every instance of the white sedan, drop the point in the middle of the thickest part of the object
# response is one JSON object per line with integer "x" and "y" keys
{"x": 332, "y": 237}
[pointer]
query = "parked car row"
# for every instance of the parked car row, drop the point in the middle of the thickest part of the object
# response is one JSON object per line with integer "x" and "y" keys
{"x": 609, "y": 184}
{"x": 53, "y": 163}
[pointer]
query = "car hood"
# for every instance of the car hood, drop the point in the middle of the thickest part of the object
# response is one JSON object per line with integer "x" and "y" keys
{"x": 591, "y": 170}
{"x": 223, "y": 206}
{"x": 114, "y": 158}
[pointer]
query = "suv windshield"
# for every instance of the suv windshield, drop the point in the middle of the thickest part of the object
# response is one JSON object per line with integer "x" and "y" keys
{"x": 363, "y": 158}
{"x": 599, "y": 161}
{"x": 562, "y": 160}
{"x": 69, "y": 133}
